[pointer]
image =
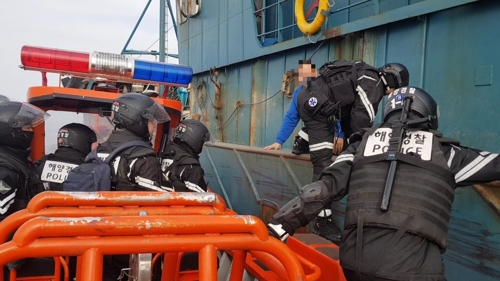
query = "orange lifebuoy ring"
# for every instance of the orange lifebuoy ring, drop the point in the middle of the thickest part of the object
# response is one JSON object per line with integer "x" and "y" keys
{"x": 315, "y": 25}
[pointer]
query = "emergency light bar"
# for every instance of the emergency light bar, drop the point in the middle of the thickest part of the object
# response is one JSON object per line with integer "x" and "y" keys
{"x": 106, "y": 65}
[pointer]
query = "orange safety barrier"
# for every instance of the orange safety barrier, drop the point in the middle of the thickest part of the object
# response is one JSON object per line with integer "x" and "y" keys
{"x": 318, "y": 258}
{"x": 276, "y": 270}
{"x": 42, "y": 227}
{"x": 242, "y": 260}
{"x": 120, "y": 199}
{"x": 171, "y": 265}
{"x": 41, "y": 237}
{"x": 100, "y": 206}
{"x": 84, "y": 204}
{"x": 14, "y": 221}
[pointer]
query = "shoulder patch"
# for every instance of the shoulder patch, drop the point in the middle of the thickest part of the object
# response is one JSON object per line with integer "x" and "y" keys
{"x": 4, "y": 187}
{"x": 313, "y": 102}
{"x": 165, "y": 163}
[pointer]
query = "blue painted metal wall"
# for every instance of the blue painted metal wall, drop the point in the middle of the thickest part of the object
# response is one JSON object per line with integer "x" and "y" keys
{"x": 451, "y": 53}
{"x": 225, "y": 31}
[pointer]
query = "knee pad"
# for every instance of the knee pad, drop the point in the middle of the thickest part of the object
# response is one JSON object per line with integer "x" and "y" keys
{"x": 316, "y": 192}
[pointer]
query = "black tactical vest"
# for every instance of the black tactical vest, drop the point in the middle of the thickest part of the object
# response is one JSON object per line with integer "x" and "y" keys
{"x": 120, "y": 180}
{"x": 29, "y": 182}
{"x": 315, "y": 101}
{"x": 174, "y": 157}
{"x": 423, "y": 186}
{"x": 334, "y": 91}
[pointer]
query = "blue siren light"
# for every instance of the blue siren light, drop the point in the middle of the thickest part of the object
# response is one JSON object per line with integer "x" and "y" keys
{"x": 162, "y": 72}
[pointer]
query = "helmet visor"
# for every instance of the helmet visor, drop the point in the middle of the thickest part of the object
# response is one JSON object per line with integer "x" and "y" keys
{"x": 28, "y": 115}
{"x": 156, "y": 112}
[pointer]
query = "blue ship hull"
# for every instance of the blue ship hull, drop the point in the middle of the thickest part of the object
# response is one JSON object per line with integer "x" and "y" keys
{"x": 450, "y": 48}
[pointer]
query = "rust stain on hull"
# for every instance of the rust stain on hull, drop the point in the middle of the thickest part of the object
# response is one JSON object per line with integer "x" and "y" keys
{"x": 253, "y": 110}
{"x": 333, "y": 32}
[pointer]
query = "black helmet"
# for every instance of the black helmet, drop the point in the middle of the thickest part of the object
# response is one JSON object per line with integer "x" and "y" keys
{"x": 396, "y": 75}
{"x": 4, "y": 98}
{"x": 14, "y": 116}
{"x": 422, "y": 104}
{"x": 76, "y": 136}
{"x": 132, "y": 111}
{"x": 193, "y": 133}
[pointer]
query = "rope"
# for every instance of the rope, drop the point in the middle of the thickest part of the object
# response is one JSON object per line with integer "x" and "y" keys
{"x": 240, "y": 104}
{"x": 317, "y": 49}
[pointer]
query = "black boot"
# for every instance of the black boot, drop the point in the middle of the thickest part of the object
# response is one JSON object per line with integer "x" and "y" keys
{"x": 326, "y": 228}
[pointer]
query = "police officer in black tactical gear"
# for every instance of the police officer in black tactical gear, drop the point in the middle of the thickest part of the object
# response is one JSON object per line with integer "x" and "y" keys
{"x": 138, "y": 168}
{"x": 19, "y": 181}
{"x": 74, "y": 142}
{"x": 354, "y": 98}
{"x": 182, "y": 171}
{"x": 405, "y": 239}
{"x": 351, "y": 92}
{"x": 180, "y": 161}
{"x": 135, "y": 116}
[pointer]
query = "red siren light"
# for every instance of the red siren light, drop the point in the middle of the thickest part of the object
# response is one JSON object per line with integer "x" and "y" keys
{"x": 35, "y": 58}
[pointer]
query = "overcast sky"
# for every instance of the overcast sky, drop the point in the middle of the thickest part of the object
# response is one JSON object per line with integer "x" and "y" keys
{"x": 86, "y": 26}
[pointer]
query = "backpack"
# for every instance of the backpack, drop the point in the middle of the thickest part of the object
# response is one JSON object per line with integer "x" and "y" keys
{"x": 341, "y": 76}
{"x": 95, "y": 174}
{"x": 335, "y": 90}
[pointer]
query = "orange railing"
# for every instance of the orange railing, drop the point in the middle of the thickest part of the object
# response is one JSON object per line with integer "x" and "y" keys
{"x": 90, "y": 225}
{"x": 61, "y": 204}
{"x": 42, "y": 237}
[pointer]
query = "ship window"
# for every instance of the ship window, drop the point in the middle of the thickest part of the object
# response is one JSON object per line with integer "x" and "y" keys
{"x": 276, "y": 22}
{"x": 187, "y": 9}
